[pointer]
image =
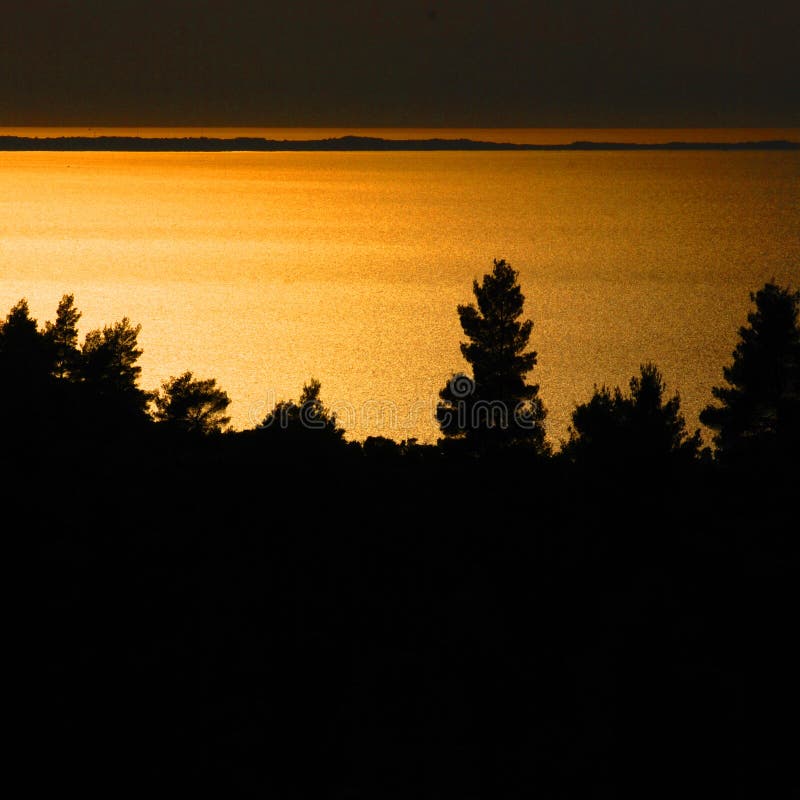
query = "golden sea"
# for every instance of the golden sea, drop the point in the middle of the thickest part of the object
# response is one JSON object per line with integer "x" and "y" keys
{"x": 263, "y": 270}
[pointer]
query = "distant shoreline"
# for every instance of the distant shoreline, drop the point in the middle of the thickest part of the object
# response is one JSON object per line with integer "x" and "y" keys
{"x": 202, "y": 144}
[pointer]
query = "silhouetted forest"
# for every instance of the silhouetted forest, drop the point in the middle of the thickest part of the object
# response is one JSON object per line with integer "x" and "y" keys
{"x": 281, "y": 611}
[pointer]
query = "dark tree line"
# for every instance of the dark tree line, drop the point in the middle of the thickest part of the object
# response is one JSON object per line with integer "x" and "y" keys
{"x": 756, "y": 417}
{"x": 52, "y": 385}
{"x": 281, "y": 612}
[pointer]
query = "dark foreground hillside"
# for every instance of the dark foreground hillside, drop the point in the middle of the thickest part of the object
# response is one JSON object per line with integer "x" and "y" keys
{"x": 302, "y": 626}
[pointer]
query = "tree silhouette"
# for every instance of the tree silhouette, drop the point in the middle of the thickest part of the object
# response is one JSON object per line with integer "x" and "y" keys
{"x": 23, "y": 349}
{"x": 496, "y": 406}
{"x": 307, "y": 421}
{"x": 193, "y": 406}
{"x": 24, "y": 372}
{"x": 631, "y": 429}
{"x": 759, "y": 409}
{"x": 62, "y": 336}
{"x": 109, "y": 374}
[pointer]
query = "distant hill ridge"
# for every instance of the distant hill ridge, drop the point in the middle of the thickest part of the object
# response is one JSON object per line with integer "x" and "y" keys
{"x": 345, "y": 143}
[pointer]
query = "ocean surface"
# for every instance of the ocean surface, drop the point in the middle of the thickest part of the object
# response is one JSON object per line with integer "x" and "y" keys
{"x": 263, "y": 270}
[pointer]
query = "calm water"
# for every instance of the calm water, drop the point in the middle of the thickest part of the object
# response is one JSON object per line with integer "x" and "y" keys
{"x": 263, "y": 270}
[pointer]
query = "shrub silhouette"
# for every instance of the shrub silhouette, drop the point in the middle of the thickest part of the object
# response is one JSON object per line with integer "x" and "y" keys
{"x": 306, "y": 422}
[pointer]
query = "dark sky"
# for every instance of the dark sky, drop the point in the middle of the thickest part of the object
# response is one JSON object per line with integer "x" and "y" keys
{"x": 564, "y": 63}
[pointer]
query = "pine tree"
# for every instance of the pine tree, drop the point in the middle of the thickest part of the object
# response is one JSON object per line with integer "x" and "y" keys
{"x": 24, "y": 366}
{"x": 109, "y": 375}
{"x": 496, "y": 406}
{"x": 759, "y": 409}
{"x": 62, "y": 336}
{"x": 190, "y": 405}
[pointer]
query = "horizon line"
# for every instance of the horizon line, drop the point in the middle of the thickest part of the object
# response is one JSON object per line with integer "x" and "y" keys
{"x": 104, "y": 143}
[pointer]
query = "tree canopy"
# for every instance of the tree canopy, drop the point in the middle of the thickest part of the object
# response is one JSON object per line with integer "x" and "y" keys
{"x": 631, "y": 429}
{"x": 109, "y": 374}
{"x": 191, "y": 405}
{"x": 53, "y": 386}
{"x": 308, "y": 420}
